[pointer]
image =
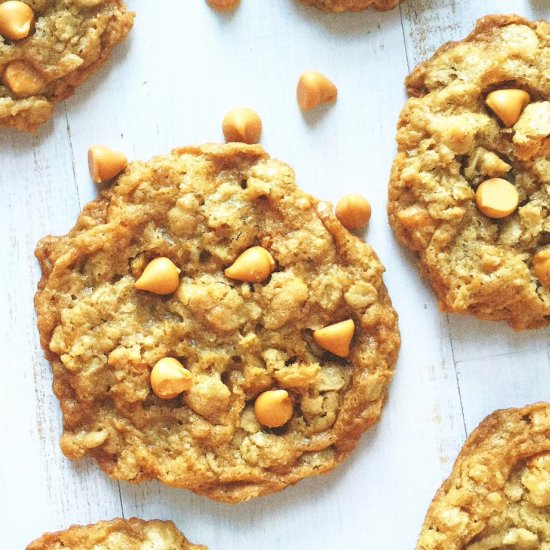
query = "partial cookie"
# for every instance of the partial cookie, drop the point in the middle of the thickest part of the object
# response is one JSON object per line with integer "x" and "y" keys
{"x": 487, "y": 255}
{"x": 69, "y": 40}
{"x": 127, "y": 534}
{"x": 227, "y": 342}
{"x": 498, "y": 494}
{"x": 352, "y": 5}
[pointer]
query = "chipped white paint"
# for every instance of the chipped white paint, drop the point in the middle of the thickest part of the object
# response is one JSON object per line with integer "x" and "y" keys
{"x": 182, "y": 69}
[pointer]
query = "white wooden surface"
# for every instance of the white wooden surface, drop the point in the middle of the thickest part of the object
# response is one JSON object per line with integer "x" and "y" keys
{"x": 169, "y": 85}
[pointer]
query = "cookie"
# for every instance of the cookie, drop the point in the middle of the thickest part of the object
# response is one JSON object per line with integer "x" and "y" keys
{"x": 127, "y": 534}
{"x": 468, "y": 190}
{"x": 222, "y": 342}
{"x": 352, "y": 5}
{"x": 69, "y": 40}
{"x": 498, "y": 494}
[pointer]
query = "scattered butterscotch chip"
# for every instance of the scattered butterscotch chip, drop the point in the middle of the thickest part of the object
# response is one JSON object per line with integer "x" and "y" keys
{"x": 160, "y": 276}
{"x": 508, "y": 104}
{"x": 541, "y": 266}
{"x": 497, "y": 198}
{"x": 16, "y": 20}
{"x": 223, "y": 5}
{"x": 336, "y": 338}
{"x": 254, "y": 265}
{"x": 23, "y": 79}
{"x": 353, "y": 211}
{"x": 119, "y": 534}
{"x": 169, "y": 378}
{"x": 242, "y": 125}
{"x": 105, "y": 164}
{"x": 273, "y": 408}
{"x": 313, "y": 89}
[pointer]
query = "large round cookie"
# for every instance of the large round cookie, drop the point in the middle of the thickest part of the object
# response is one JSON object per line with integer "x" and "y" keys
{"x": 352, "y": 5}
{"x": 71, "y": 40}
{"x": 498, "y": 494}
{"x": 201, "y": 207}
{"x": 449, "y": 141}
{"x": 122, "y": 534}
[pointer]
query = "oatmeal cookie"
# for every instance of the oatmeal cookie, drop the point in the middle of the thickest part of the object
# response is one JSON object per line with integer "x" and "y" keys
{"x": 70, "y": 39}
{"x": 498, "y": 494}
{"x": 490, "y": 262}
{"x": 352, "y": 5}
{"x": 229, "y": 341}
{"x": 117, "y": 534}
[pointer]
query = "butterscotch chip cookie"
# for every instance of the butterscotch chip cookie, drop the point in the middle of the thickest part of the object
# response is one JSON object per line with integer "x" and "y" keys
{"x": 498, "y": 494}
{"x": 352, "y": 5}
{"x": 118, "y": 534}
{"x": 469, "y": 187}
{"x": 262, "y": 267}
{"x": 68, "y": 41}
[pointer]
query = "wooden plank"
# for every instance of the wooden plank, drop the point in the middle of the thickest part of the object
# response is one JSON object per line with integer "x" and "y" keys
{"x": 41, "y": 489}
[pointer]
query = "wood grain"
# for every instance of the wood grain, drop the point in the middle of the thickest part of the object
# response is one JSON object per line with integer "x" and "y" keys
{"x": 170, "y": 85}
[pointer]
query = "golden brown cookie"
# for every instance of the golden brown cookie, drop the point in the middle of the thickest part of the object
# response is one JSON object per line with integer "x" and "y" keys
{"x": 498, "y": 494}
{"x": 201, "y": 208}
{"x": 117, "y": 534}
{"x": 352, "y": 5}
{"x": 484, "y": 255}
{"x": 69, "y": 40}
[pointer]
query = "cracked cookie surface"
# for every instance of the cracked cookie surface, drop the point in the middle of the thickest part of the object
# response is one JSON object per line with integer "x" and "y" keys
{"x": 352, "y": 5}
{"x": 201, "y": 207}
{"x": 498, "y": 494}
{"x": 71, "y": 40}
{"x": 449, "y": 141}
{"x": 117, "y": 534}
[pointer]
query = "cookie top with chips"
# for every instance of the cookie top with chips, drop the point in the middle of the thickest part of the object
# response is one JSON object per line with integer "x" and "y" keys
{"x": 318, "y": 329}
{"x": 498, "y": 494}
{"x": 67, "y": 41}
{"x": 127, "y": 534}
{"x": 469, "y": 186}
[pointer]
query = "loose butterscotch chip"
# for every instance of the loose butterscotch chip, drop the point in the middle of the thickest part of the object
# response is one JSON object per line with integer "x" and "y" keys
{"x": 223, "y": 5}
{"x": 353, "y": 211}
{"x": 234, "y": 338}
{"x": 120, "y": 534}
{"x": 314, "y": 89}
{"x": 105, "y": 164}
{"x": 242, "y": 125}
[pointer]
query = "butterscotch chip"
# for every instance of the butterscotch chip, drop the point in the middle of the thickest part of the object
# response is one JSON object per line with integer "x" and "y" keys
{"x": 498, "y": 494}
{"x": 123, "y": 534}
{"x": 202, "y": 207}
{"x": 352, "y": 5}
{"x": 70, "y": 40}
{"x": 469, "y": 186}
